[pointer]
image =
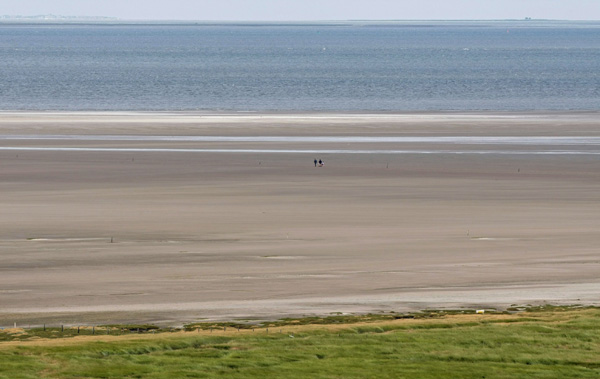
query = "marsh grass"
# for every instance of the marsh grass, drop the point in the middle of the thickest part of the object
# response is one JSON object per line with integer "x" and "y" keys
{"x": 543, "y": 343}
{"x": 330, "y": 320}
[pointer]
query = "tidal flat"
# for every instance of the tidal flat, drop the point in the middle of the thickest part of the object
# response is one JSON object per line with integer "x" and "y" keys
{"x": 175, "y": 232}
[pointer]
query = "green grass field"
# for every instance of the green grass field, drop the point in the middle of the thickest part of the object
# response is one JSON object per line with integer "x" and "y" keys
{"x": 539, "y": 343}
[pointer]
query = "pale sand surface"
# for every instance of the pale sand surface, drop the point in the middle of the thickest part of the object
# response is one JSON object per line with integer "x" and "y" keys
{"x": 202, "y": 235}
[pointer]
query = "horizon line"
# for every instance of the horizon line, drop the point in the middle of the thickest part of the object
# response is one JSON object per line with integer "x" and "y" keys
{"x": 4, "y": 18}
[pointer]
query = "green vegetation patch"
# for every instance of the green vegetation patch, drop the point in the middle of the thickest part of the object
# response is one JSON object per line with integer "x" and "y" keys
{"x": 542, "y": 343}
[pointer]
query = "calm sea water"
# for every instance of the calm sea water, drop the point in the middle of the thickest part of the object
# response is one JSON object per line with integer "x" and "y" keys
{"x": 346, "y": 66}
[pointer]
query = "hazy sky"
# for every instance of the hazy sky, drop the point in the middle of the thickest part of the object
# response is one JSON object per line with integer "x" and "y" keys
{"x": 271, "y": 10}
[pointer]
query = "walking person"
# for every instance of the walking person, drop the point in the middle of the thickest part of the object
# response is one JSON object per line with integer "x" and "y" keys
{"x": 315, "y": 162}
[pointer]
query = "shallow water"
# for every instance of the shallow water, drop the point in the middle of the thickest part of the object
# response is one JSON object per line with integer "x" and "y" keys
{"x": 345, "y": 66}
{"x": 300, "y": 151}
{"x": 463, "y": 140}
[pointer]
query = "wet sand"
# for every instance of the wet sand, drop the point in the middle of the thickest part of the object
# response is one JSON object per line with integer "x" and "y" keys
{"x": 140, "y": 231}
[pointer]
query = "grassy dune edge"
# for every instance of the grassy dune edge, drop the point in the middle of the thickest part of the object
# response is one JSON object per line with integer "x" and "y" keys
{"x": 546, "y": 342}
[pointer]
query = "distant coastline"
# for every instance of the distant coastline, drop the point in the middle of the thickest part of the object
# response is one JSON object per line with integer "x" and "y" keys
{"x": 54, "y": 18}
{"x": 59, "y": 19}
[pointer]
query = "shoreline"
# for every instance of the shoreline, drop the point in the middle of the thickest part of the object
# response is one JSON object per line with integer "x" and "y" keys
{"x": 584, "y": 123}
{"x": 287, "y": 113}
{"x": 460, "y": 299}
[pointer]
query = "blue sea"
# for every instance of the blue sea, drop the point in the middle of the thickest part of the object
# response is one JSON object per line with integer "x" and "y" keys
{"x": 341, "y": 66}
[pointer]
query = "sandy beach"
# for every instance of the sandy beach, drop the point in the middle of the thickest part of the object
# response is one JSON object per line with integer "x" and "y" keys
{"x": 118, "y": 217}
